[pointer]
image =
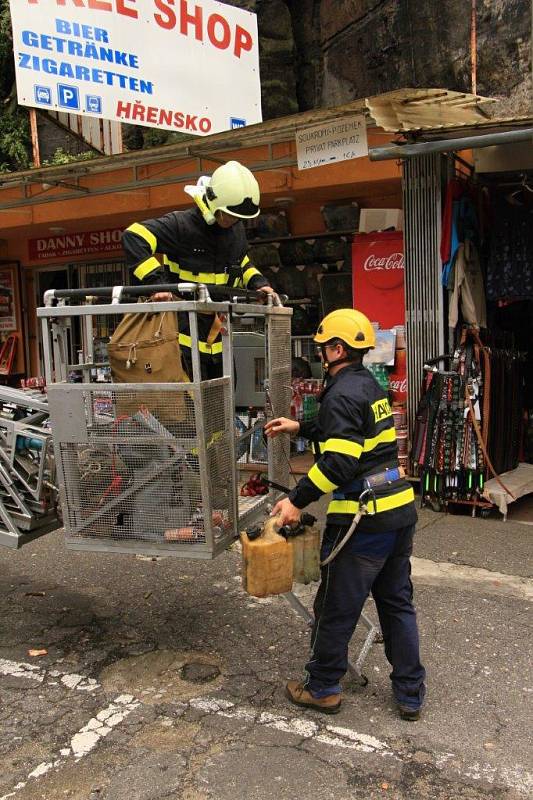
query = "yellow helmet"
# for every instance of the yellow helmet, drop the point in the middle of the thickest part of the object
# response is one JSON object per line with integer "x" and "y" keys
{"x": 348, "y": 325}
{"x": 234, "y": 190}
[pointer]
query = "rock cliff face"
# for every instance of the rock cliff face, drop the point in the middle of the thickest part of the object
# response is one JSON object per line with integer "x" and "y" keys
{"x": 320, "y": 53}
{"x": 317, "y": 53}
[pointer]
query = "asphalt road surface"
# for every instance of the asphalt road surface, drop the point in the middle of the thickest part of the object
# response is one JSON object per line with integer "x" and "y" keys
{"x": 163, "y": 679}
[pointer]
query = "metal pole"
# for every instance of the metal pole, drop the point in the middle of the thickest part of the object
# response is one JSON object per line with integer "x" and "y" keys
{"x": 395, "y": 151}
{"x": 473, "y": 47}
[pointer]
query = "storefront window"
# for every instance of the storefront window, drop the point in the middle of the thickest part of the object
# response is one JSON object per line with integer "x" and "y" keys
{"x": 85, "y": 276}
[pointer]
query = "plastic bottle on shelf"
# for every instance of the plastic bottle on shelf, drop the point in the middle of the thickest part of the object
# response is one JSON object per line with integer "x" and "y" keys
{"x": 309, "y": 406}
{"x": 301, "y": 444}
{"x": 296, "y": 405}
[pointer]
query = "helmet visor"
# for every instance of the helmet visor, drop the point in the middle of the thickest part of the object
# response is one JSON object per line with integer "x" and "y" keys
{"x": 245, "y": 209}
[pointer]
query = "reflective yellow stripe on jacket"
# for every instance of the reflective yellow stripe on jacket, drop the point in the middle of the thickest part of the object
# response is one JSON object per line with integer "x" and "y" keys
{"x": 145, "y": 234}
{"x": 348, "y": 448}
{"x": 212, "y": 350}
{"x": 144, "y": 269}
{"x": 344, "y": 446}
{"x": 316, "y": 475}
{"x": 211, "y": 278}
{"x": 382, "y": 503}
{"x": 248, "y": 273}
{"x": 385, "y": 437}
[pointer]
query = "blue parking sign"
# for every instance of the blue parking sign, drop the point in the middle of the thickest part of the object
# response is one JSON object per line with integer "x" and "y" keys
{"x": 43, "y": 95}
{"x": 68, "y": 96}
{"x": 237, "y": 122}
{"x": 93, "y": 103}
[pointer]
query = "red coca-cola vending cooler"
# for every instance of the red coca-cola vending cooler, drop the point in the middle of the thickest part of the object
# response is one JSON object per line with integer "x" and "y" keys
{"x": 378, "y": 277}
{"x": 378, "y": 291}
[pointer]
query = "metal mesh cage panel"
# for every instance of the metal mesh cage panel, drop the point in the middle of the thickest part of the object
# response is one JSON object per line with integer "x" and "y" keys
{"x": 219, "y": 452}
{"x": 135, "y": 473}
{"x": 144, "y": 467}
{"x": 279, "y": 369}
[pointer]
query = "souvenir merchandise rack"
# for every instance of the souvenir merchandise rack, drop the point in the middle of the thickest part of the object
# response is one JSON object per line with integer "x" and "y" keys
{"x": 466, "y": 412}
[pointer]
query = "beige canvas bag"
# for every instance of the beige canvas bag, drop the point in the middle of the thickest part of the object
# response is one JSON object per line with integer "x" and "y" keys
{"x": 145, "y": 349}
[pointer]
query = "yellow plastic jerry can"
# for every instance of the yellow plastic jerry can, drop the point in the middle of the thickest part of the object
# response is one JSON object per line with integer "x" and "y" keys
{"x": 306, "y": 555}
{"x": 267, "y": 561}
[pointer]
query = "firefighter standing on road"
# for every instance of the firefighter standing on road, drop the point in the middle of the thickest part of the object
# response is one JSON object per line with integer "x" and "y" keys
{"x": 205, "y": 244}
{"x": 357, "y": 459}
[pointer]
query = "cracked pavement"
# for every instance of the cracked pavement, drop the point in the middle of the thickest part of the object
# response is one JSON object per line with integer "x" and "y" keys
{"x": 162, "y": 679}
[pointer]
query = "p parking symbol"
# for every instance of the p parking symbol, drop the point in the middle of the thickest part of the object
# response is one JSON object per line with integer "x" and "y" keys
{"x": 68, "y": 96}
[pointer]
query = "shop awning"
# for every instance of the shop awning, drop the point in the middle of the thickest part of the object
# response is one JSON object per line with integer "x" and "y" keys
{"x": 400, "y": 110}
{"x": 146, "y": 180}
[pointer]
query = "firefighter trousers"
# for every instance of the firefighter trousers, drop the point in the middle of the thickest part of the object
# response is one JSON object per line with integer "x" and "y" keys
{"x": 377, "y": 563}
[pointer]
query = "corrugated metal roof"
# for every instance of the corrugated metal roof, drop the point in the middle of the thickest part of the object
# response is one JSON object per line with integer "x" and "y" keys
{"x": 421, "y": 109}
{"x": 486, "y": 126}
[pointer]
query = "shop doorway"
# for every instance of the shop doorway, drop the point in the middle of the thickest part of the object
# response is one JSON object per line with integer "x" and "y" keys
{"x": 80, "y": 276}
{"x": 472, "y": 444}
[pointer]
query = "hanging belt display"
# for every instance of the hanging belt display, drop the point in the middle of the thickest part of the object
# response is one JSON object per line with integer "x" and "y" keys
{"x": 446, "y": 449}
{"x": 468, "y": 421}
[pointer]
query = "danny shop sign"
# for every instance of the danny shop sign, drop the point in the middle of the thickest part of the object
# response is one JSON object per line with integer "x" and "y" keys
{"x": 108, "y": 240}
{"x": 190, "y": 66}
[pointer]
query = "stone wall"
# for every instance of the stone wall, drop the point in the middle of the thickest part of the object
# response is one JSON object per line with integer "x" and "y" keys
{"x": 318, "y": 53}
{"x": 373, "y": 46}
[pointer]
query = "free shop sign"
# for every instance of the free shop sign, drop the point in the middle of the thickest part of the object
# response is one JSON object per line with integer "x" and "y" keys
{"x": 189, "y": 66}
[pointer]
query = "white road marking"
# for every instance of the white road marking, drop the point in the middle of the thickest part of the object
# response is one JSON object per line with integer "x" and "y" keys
{"x": 78, "y": 682}
{"x": 40, "y": 674}
{"x": 464, "y": 577}
{"x": 86, "y": 738}
{"x": 304, "y": 728}
{"x": 514, "y": 777}
{"x": 454, "y": 576}
{"x": 18, "y": 669}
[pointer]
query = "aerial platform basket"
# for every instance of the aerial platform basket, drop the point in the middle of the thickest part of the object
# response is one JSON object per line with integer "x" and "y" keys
{"x": 151, "y": 468}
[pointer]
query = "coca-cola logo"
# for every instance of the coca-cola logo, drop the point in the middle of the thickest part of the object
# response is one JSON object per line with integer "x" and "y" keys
{"x": 393, "y": 261}
{"x": 399, "y": 386}
{"x": 383, "y": 269}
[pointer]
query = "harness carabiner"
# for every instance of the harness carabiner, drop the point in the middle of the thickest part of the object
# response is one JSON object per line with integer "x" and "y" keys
{"x": 367, "y": 495}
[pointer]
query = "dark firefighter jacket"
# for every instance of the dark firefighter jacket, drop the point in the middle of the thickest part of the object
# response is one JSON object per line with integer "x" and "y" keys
{"x": 192, "y": 251}
{"x": 353, "y": 437}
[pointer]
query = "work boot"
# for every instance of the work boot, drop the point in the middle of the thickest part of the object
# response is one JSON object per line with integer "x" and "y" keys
{"x": 408, "y": 713}
{"x": 300, "y": 696}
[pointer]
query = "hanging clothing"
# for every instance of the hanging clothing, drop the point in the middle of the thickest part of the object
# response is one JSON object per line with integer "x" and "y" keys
{"x": 468, "y": 288}
{"x": 454, "y": 191}
{"x": 458, "y": 224}
{"x": 510, "y": 263}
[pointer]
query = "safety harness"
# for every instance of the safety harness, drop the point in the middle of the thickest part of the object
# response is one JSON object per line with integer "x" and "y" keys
{"x": 368, "y": 502}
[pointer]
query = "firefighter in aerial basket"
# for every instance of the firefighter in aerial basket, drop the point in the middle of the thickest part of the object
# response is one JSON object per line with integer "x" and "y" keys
{"x": 368, "y": 539}
{"x": 205, "y": 244}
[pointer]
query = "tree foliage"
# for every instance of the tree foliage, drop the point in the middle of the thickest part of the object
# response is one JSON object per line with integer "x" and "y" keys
{"x": 15, "y": 140}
